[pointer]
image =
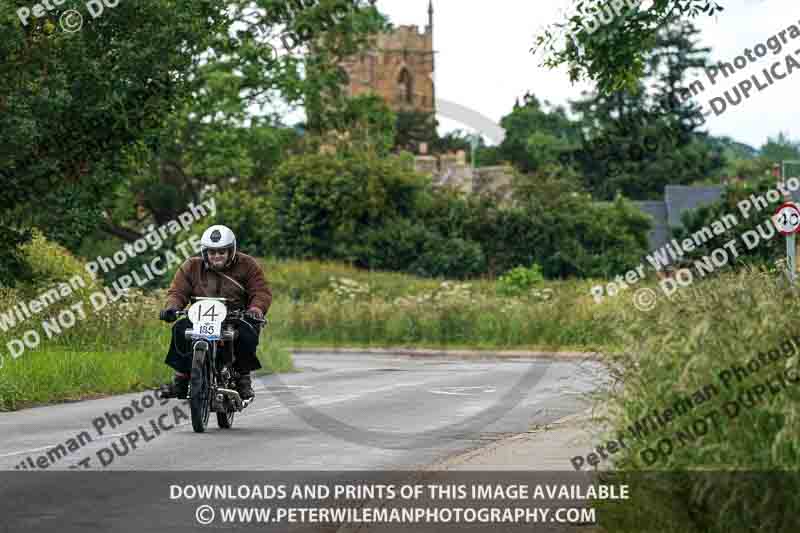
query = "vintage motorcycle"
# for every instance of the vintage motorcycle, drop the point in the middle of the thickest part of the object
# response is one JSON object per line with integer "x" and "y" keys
{"x": 213, "y": 377}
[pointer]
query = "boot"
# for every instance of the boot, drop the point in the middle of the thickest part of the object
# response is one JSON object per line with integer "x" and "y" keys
{"x": 244, "y": 386}
{"x": 179, "y": 388}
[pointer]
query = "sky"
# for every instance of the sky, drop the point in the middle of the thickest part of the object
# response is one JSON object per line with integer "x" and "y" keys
{"x": 484, "y": 61}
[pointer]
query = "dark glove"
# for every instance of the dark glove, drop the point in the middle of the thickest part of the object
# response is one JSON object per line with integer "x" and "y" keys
{"x": 168, "y": 315}
{"x": 254, "y": 314}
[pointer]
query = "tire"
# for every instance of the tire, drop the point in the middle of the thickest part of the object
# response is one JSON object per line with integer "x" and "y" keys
{"x": 199, "y": 401}
{"x": 225, "y": 419}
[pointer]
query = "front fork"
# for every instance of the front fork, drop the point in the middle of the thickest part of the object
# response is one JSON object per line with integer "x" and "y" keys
{"x": 202, "y": 345}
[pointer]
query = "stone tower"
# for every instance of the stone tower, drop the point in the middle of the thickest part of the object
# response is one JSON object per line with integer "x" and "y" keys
{"x": 398, "y": 67}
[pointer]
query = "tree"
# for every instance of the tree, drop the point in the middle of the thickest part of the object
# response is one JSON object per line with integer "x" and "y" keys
{"x": 72, "y": 103}
{"x": 781, "y": 148}
{"x": 635, "y": 140}
{"x": 742, "y": 161}
{"x": 536, "y": 136}
{"x": 364, "y": 123}
{"x": 612, "y": 54}
{"x": 215, "y": 141}
{"x": 414, "y": 128}
{"x": 150, "y": 105}
{"x": 456, "y": 140}
{"x": 321, "y": 205}
{"x": 324, "y": 81}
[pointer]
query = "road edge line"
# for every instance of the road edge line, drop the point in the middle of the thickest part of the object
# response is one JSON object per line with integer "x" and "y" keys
{"x": 488, "y": 354}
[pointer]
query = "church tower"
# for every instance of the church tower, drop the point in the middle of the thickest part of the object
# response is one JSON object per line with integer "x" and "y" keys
{"x": 399, "y": 67}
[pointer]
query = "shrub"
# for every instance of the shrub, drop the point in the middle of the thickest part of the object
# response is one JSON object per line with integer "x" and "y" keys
{"x": 572, "y": 235}
{"x": 50, "y": 263}
{"x": 411, "y": 247}
{"x": 519, "y": 280}
{"x": 377, "y": 213}
{"x": 320, "y": 206}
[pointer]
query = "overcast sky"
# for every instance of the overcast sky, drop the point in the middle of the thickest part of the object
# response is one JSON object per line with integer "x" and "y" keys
{"x": 484, "y": 63}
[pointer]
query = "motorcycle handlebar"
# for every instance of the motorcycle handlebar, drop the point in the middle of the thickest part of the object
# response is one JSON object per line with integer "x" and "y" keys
{"x": 231, "y": 315}
{"x": 243, "y": 314}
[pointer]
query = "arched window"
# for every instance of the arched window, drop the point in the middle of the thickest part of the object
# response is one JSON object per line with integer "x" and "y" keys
{"x": 405, "y": 87}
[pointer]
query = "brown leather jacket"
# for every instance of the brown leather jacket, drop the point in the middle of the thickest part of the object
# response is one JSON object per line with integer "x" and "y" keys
{"x": 243, "y": 283}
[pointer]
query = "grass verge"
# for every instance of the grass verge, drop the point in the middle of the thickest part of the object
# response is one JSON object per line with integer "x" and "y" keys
{"x": 719, "y": 365}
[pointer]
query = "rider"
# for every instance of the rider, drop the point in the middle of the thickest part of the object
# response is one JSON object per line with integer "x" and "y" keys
{"x": 219, "y": 271}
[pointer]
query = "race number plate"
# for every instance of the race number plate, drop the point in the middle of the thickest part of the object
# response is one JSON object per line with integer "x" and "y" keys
{"x": 206, "y": 317}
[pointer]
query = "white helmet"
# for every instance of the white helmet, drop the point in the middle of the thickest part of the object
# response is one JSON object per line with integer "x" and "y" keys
{"x": 218, "y": 237}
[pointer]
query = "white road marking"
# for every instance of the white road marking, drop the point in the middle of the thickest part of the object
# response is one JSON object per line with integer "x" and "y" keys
{"x": 459, "y": 391}
{"x": 26, "y": 451}
{"x": 350, "y": 396}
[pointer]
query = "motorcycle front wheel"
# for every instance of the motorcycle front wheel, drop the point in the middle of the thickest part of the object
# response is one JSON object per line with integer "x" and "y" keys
{"x": 200, "y": 399}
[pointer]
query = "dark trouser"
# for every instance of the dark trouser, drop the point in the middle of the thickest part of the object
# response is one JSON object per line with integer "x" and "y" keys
{"x": 179, "y": 356}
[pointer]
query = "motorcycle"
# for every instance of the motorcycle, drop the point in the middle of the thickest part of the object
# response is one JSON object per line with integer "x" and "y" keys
{"x": 213, "y": 377}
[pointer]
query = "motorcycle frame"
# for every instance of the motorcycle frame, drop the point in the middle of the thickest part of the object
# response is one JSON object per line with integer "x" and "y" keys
{"x": 228, "y": 336}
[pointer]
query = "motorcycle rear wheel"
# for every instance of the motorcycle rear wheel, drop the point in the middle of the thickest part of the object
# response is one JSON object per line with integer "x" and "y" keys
{"x": 200, "y": 401}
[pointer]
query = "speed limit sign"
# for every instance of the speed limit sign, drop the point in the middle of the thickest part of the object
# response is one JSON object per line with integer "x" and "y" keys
{"x": 787, "y": 219}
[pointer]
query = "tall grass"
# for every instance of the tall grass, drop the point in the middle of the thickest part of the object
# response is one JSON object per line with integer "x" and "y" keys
{"x": 681, "y": 347}
{"x": 337, "y": 305}
{"x": 122, "y": 347}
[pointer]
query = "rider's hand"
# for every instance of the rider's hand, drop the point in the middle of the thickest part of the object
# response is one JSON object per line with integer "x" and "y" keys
{"x": 254, "y": 313}
{"x": 168, "y": 315}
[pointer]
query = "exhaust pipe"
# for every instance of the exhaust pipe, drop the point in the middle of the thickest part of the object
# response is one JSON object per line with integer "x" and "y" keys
{"x": 233, "y": 396}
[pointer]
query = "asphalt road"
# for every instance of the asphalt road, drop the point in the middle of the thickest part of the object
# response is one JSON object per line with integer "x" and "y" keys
{"x": 373, "y": 395}
{"x": 353, "y": 412}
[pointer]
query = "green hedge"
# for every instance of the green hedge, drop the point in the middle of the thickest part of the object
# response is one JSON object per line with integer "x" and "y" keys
{"x": 373, "y": 212}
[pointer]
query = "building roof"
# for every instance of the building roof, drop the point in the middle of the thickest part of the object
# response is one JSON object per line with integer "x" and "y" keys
{"x": 667, "y": 214}
{"x": 680, "y": 198}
